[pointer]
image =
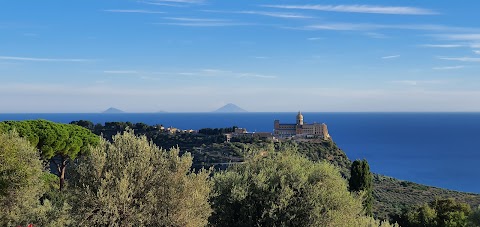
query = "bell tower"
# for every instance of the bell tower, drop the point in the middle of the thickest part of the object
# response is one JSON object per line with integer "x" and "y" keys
{"x": 299, "y": 118}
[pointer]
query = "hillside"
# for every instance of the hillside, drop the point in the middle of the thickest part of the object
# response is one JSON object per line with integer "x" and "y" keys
{"x": 391, "y": 195}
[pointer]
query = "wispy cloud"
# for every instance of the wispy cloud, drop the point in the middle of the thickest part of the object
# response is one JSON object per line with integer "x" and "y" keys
{"x": 371, "y": 27}
{"x": 314, "y": 38}
{"x": 276, "y": 14}
{"x": 261, "y": 57}
{"x": 181, "y": 1}
{"x": 376, "y": 35}
{"x": 401, "y": 10}
{"x": 462, "y": 59}
{"x": 227, "y": 73}
{"x": 476, "y": 51}
{"x": 207, "y": 72}
{"x": 120, "y": 72}
{"x": 159, "y": 2}
{"x": 202, "y": 24}
{"x": 449, "y": 67}
{"x": 173, "y": 3}
{"x": 461, "y": 37}
{"x": 199, "y": 22}
{"x": 417, "y": 82}
{"x": 132, "y": 11}
{"x": 189, "y": 19}
{"x": 286, "y": 15}
{"x": 12, "y": 58}
{"x": 442, "y": 45}
{"x": 390, "y": 56}
{"x": 340, "y": 26}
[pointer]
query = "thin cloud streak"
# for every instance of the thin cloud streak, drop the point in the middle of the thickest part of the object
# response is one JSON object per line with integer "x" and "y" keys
{"x": 417, "y": 82}
{"x": 188, "y": 19}
{"x": 371, "y": 27}
{"x": 285, "y": 15}
{"x": 442, "y": 45}
{"x": 261, "y": 57}
{"x": 174, "y": 1}
{"x": 120, "y": 72}
{"x": 12, "y": 58}
{"x": 462, "y": 59}
{"x": 276, "y": 14}
{"x": 360, "y": 9}
{"x": 376, "y": 35}
{"x": 461, "y": 37}
{"x": 203, "y": 24}
{"x": 133, "y": 11}
{"x": 391, "y": 56}
{"x": 226, "y": 73}
{"x": 449, "y": 67}
{"x": 199, "y": 22}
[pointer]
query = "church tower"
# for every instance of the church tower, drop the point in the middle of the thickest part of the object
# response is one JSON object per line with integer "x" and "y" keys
{"x": 299, "y": 118}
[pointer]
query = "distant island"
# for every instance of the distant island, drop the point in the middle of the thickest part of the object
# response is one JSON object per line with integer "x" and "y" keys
{"x": 113, "y": 110}
{"x": 230, "y": 108}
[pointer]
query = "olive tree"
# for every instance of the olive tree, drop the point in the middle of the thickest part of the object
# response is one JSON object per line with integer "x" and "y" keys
{"x": 132, "y": 182}
{"x": 284, "y": 189}
{"x": 20, "y": 180}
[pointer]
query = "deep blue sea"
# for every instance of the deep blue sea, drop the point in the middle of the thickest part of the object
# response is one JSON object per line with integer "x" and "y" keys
{"x": 437, "y": 149}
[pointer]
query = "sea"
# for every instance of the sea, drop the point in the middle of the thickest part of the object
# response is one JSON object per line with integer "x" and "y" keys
{"x": 436, "y": 149}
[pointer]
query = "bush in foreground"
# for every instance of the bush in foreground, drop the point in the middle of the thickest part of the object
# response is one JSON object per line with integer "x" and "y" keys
{"x": 285, "y": 189}
{"x": 131, "y": 182}
{"x": 20, "y": 180}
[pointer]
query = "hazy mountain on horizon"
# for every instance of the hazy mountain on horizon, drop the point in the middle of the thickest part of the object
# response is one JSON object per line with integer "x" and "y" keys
{"x": 230, "y": 108}
{"x": 113, "y": 110}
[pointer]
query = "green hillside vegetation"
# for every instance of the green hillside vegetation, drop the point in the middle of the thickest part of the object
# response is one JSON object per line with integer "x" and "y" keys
{"x": 391, "y": 196}
{"x": 132, "y": 182}
{"x": 130, "y": 179}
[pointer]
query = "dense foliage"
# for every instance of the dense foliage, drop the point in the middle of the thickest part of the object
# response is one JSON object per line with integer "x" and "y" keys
{"x": 56, "y": 142}
{"x": 217, "y": 131}
{"x": 441, "y": 213}
{"x": 283, "y": 189}
{"x": 20, "y": 180}
{"x": 131, "y": 182}
{"x": 24, "y": 185}
{"x": 361, "y": 180}
{"x": 127, "y": 181}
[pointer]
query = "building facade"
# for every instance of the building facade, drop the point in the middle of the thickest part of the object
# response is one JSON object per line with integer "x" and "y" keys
{"x": 299, "y": 129}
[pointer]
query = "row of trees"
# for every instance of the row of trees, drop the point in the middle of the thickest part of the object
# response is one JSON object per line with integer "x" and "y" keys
{"x": 132, "y": 182}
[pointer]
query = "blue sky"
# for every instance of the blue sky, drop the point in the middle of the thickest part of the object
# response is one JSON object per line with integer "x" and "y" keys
{"x": 197, "y": 55}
